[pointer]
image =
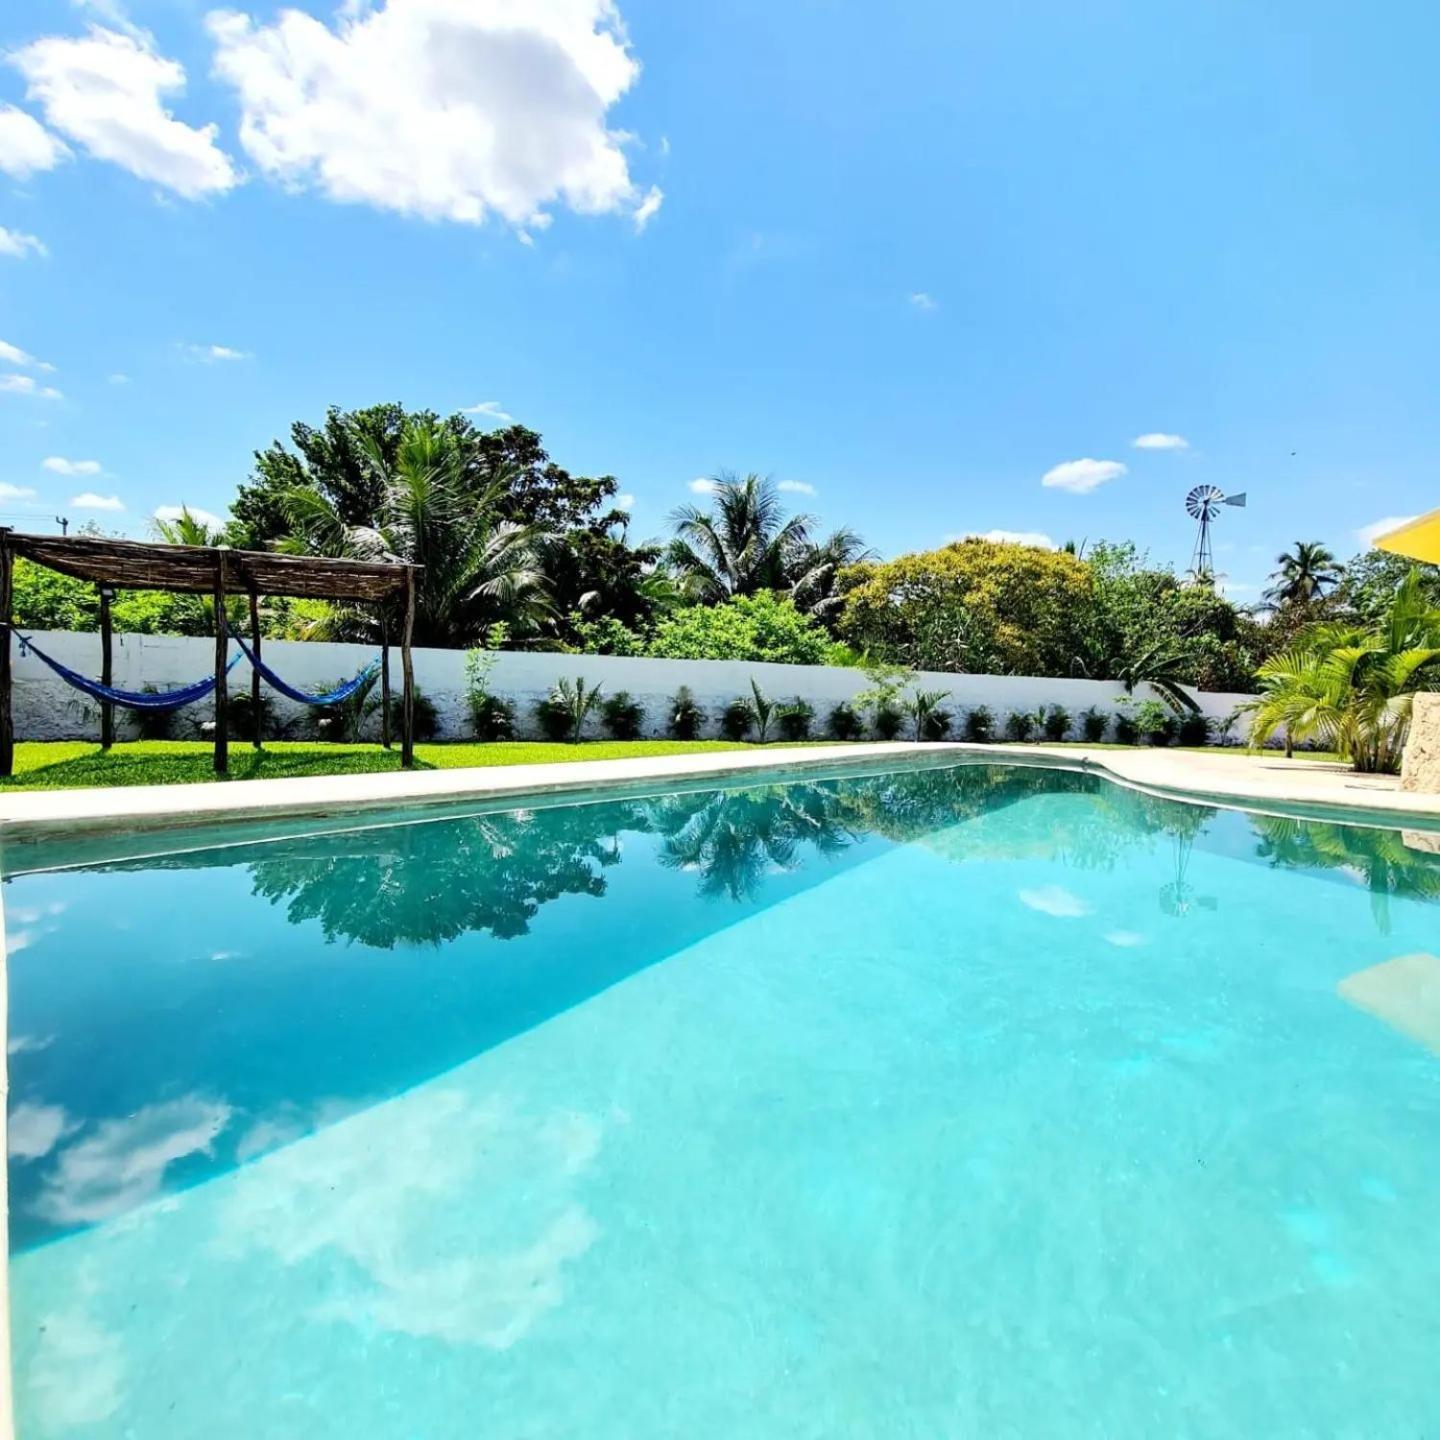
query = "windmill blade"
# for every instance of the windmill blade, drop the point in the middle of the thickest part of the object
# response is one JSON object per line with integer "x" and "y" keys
{"x": 1235, "y": 500}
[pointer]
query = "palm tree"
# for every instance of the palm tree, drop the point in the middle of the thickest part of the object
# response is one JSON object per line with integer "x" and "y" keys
{"x": 742, "y": 544}
{"x": 478, "y": 569}
{"x": 1353, "y": 689}
{"x": 745, "y": 543}
{"x": 1304, "y": 575}
{"x": 186, "y": 528}
{"x": 1164, "y": 667}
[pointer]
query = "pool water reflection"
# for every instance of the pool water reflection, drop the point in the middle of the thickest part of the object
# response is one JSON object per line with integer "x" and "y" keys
{"x": 944, "y": 1101}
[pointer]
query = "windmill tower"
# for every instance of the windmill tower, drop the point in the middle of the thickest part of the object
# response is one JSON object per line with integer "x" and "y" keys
{"x": 1203, "y": 505}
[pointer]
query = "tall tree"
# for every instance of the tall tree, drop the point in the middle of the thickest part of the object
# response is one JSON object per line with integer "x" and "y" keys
{"x": 1303, "y": 575}
{"x": 479, "y": 568}
{"x": 744, "y": 543}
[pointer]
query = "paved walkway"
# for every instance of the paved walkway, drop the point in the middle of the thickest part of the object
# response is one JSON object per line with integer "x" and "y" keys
{"x": 1254, "y": 781}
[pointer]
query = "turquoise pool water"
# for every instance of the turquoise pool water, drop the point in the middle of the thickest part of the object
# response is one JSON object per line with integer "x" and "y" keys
{"x": 968, "y": 1101}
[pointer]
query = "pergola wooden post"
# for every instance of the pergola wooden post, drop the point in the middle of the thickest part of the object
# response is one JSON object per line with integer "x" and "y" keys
{"x": 255, "y": 711}
{"x": 384, "y": 682}
{"x": 107, "y": 668}
{"x": 217, "y": 572}
{"x": 222, "y": 681}
{"x": 407, "y": 733}
{"x": 7, "y": 591}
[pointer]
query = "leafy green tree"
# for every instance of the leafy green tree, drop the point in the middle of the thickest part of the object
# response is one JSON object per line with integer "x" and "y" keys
{"x": 747, "y": 627}
{"x": 975, "y": 605}
{"x": 1371, "y": 580}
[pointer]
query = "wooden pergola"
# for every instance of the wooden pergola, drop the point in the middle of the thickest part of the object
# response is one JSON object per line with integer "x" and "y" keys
{"x": 219, "y": 572}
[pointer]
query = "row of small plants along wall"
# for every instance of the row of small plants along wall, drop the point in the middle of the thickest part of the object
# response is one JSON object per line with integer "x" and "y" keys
{"x": 911, "y": 714}
{"x": 885, "y": 712}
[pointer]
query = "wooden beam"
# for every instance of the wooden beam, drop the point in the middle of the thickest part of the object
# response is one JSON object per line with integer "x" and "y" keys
{"x": 7, "y": 722}
{"x": 107, "y": 677}
{"x": 222, "y": 646}
{"x": 255, "y": 711}
{"x": 407, "y": 730}
{"x": 384, "y": 681}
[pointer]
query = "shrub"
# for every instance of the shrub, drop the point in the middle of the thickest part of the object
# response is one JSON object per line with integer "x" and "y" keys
{"x": 1093, "y": 725}
{"x": 686, "y": 717}
{"x": 979, "y": 726}
{"x": 563, "y": 712}
{"x": 1127, "y": 732}
{"x": 1194, "y": 729}
{"x": 736, "y": 719}
{"x": 748, "y": 627}
{"x": 936, "y": 725}
{"x": 1154, "y": 721}
{"x": 427, "y": 719}
{"x": 844, "y": 723}
{"x": 888, "y": 720}
{"x": 1056, "y": 722}
{"x": 795, "y": 718}
{"x": 623, "y": 716}
{"x": 239, "y": 716}
{"x": 1019, "y": 726}
{"x": 493, "y": 717}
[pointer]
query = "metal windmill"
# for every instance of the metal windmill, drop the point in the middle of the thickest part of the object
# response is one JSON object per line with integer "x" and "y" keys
{"x": 1203, "y": 504}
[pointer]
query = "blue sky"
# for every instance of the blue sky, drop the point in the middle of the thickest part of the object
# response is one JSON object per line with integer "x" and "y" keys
{"x": 916, "y": 258}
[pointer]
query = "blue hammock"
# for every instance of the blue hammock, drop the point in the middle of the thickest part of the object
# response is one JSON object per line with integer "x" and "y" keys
{"x": 129, "y": 699}
{"x": 335, "y": 697}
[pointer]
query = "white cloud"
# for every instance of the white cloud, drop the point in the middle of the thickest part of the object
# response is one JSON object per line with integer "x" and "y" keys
{"x": 1013, "y": 537}
{"x": 1369, "y": 534}
{"x": 625, "y": 502}
{"x": 491, "y": 410}
{"x": 921, "y": 301}
{"x": 1055, "y": 900}
{"x": 175, "y": 512}
{"x": 25, "y": 385}
{"x": 14, "y": 355}
{"x": 104, "y": 89}
{"x": 1124, "y": 939}
{"x": 122, "y": 1163}
{"x": 17, "y": 245}
{"x": 702, "y": 486}
{"x": 1082, "y": 476}
{"x": 59, "y": 465}
{"x": 210, "y": 354}
{"x": 796, "y": 487}
{"x": 445, "y": 109}
{"x": 1159, "y": 440}
{"x": 118, "y": 379}
{"x": 649, "y": 208}
{"x": 15, "y": 492}
{"x": 91, "y": 501}
{"x": 35, "y": 1130}
{"x": 26, "y": 146}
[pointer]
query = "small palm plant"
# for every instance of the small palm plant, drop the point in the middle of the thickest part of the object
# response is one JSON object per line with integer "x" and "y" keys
{"x": 563, "y": 712}
{"x": 923, "y": 708}
{"x": 763, "y": 709}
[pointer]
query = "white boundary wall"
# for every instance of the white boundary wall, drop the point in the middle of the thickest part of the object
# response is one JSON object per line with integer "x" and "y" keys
{"x": 46, "y": 708}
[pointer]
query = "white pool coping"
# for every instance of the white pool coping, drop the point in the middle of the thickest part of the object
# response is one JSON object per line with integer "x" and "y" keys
{"x": 1250, "y": 781}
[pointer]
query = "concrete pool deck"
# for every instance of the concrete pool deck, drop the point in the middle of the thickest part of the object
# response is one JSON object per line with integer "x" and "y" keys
{"x": 1219, "y": 777}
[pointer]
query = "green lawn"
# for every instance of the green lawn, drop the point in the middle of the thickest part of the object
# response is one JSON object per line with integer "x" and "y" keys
{"x": 73, "y": 764}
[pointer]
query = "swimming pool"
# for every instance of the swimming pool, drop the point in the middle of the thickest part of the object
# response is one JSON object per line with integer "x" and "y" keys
{"x": 969, "y": 1100}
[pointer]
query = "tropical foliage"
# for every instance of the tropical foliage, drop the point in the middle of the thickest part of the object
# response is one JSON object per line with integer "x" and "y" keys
{"x": 1351, "y": 688}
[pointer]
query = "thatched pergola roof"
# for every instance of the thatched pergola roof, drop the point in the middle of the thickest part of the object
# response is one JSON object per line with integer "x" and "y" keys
{"x": 191, "y": 569}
